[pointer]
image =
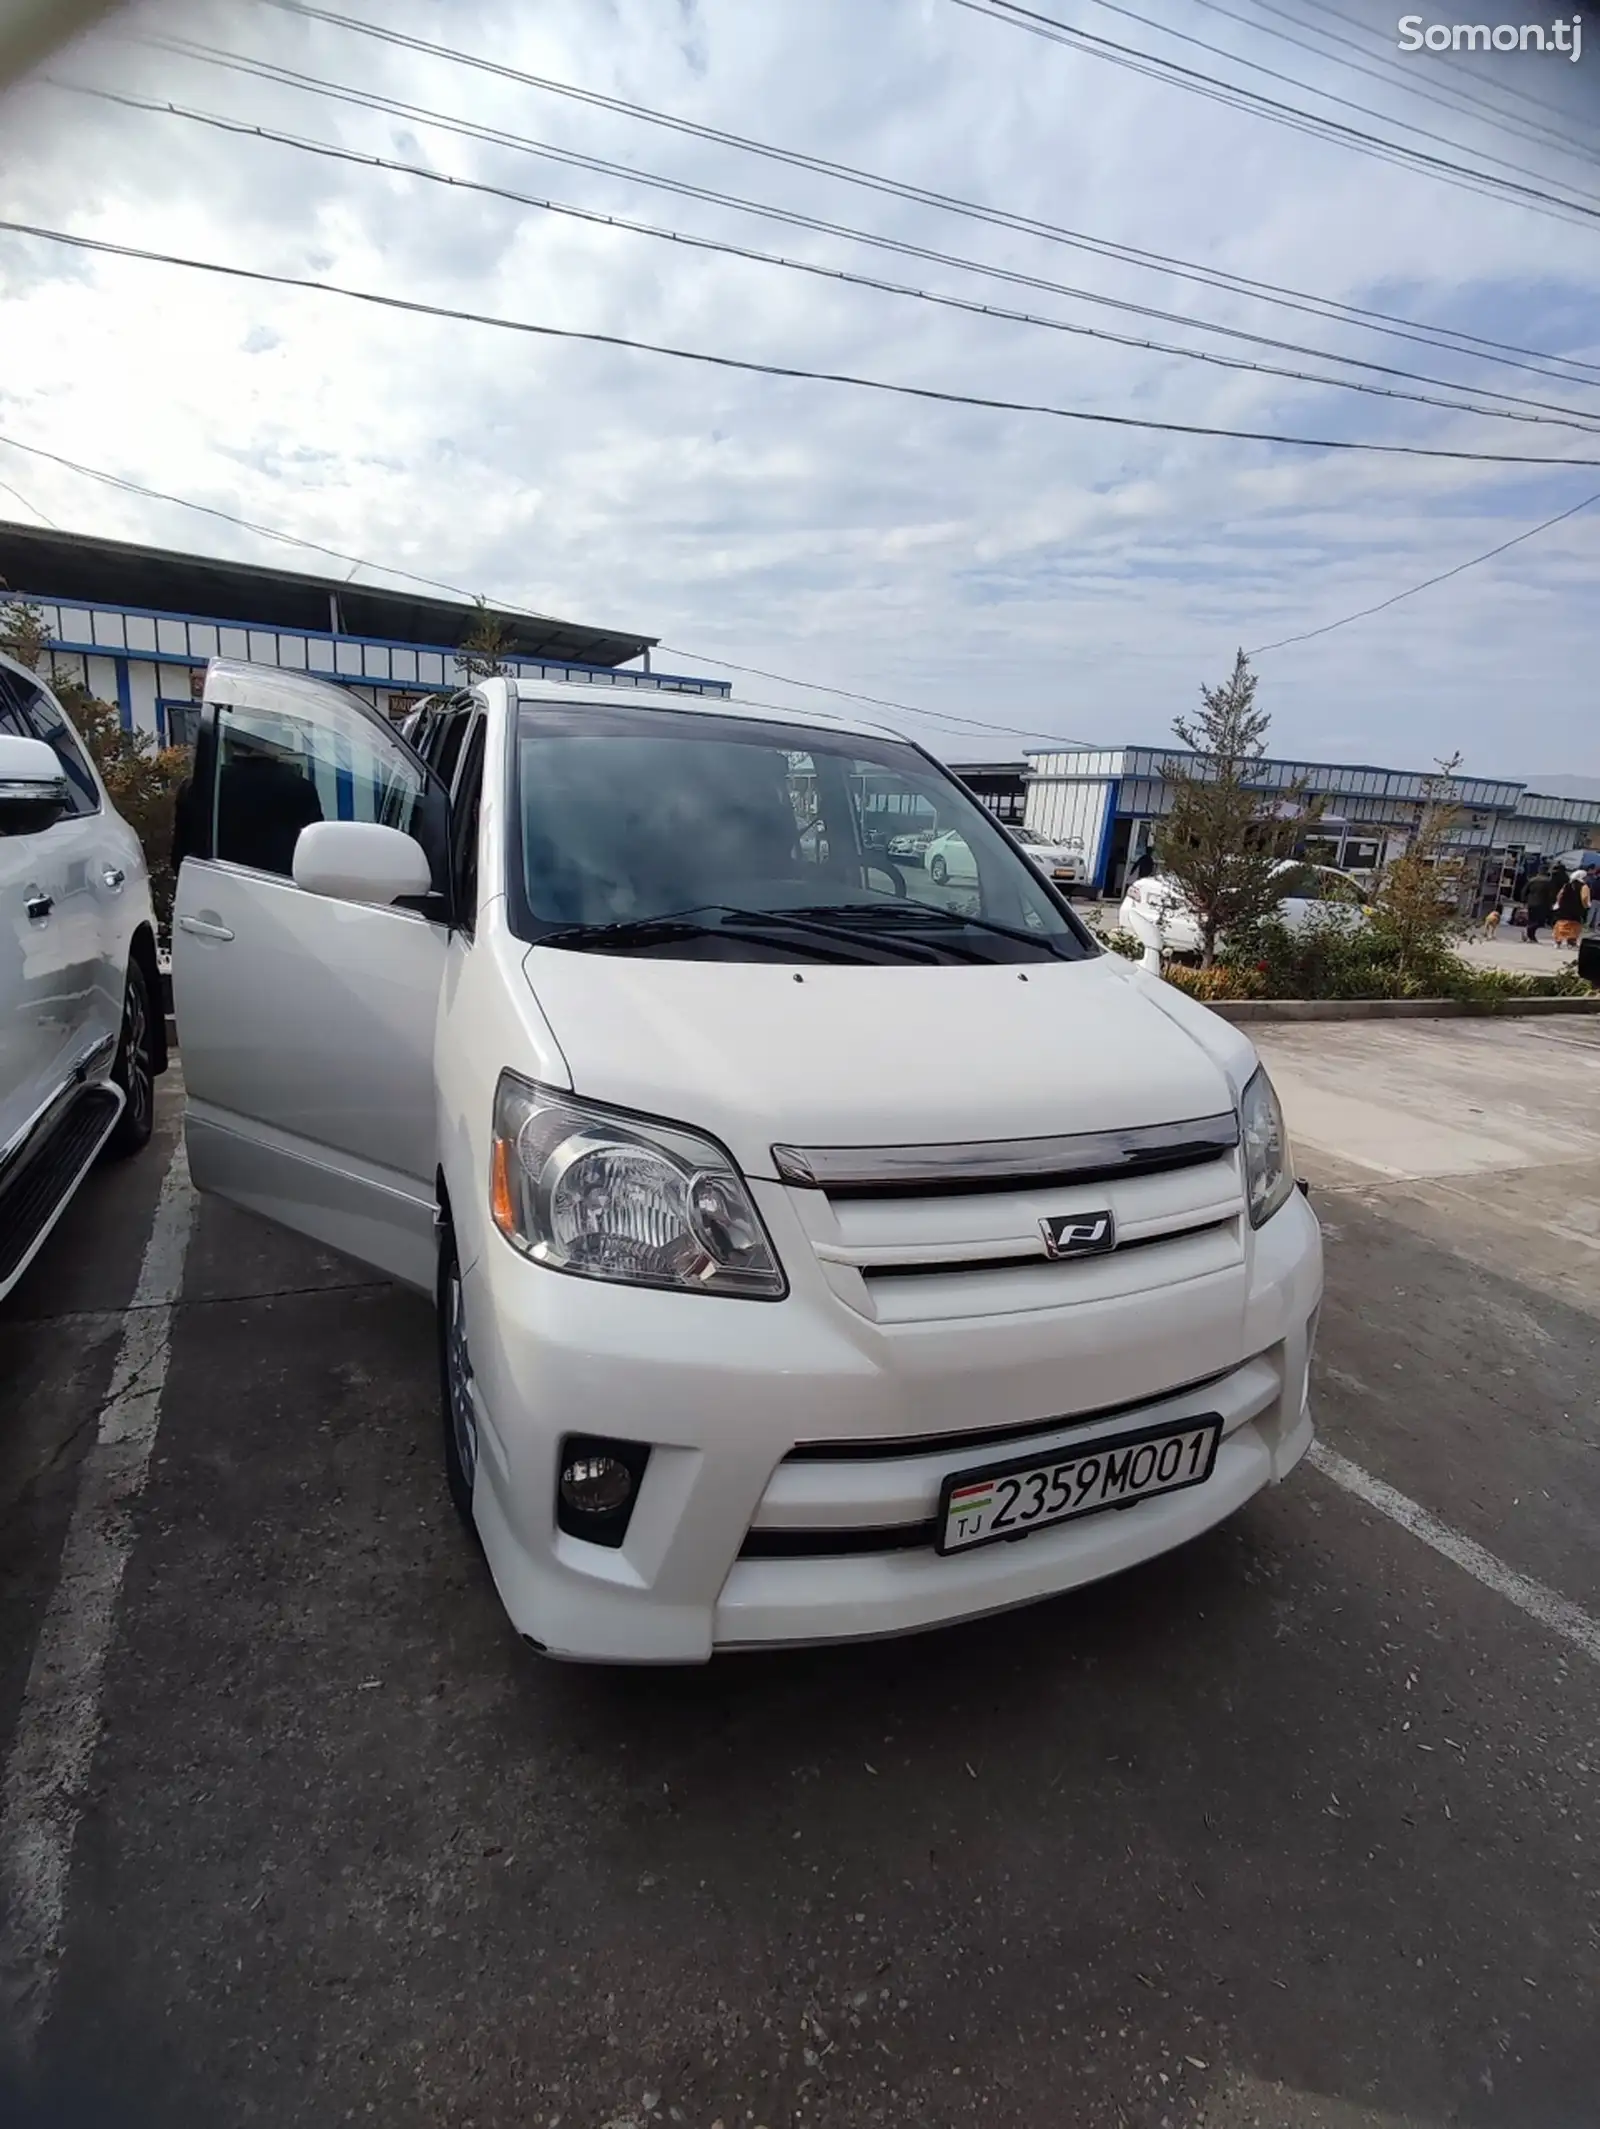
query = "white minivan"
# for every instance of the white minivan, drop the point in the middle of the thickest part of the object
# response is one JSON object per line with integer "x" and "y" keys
{"x": 814, "y": 1259}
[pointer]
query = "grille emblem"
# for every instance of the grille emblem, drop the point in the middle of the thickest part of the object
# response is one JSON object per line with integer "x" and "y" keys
{"x": 1086, "y": 1234}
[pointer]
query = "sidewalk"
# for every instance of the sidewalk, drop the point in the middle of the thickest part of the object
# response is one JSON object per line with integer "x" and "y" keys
{"x": 1508, "y": 949}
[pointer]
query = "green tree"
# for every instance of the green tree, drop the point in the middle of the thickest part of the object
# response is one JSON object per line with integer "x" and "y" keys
{"x": 142, "y": 781}
{"x": 1416, "y": 908}
{"x": 23, "y": 634}
{"x": 484, "y": 647}
{"x": 1223, "y": 837}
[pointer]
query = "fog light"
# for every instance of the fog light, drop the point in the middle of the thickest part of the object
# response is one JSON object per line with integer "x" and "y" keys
{"x": 597, "y": 1484}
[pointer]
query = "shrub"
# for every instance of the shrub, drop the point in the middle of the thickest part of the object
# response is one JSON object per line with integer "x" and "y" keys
{"x": 1221, "y": 980}
{"x": 1119, "y": 942}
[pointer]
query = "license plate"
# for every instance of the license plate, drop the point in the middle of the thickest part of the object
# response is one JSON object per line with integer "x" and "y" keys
{"x": 1009, "y": 1500}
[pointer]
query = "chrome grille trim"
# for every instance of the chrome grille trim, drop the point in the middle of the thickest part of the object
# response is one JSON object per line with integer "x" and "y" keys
{"x": 990, "y": 1164}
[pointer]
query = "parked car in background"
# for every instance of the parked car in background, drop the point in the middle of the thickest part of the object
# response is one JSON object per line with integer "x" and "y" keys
{"x": 82, "y": 1031}
{"x": 911, "y": 849}
{"x": 1061, "y": 861}
{"x": 811, "y": 1261}
{"x": 1312, "y": 894}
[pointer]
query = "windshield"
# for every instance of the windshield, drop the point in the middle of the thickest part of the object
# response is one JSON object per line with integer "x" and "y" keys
{"x": 769, "y": 841}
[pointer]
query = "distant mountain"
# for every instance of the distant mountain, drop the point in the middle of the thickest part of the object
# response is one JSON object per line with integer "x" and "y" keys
{"x": 1565, "y": 786}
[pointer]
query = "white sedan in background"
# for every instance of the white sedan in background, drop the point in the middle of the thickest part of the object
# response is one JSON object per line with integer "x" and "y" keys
{"x": 949, "y": 859}
{"x": 1313, "y": 894}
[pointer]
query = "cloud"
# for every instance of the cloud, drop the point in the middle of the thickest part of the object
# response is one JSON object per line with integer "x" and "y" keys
{"x": 1042, "y": 574}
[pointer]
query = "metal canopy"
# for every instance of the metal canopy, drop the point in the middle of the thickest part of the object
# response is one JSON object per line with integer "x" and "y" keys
{"x": 75, "y": 565}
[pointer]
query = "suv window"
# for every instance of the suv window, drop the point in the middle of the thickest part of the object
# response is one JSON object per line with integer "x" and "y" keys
{"x": 50, "y": 724}
{"x": 27, "y": 712}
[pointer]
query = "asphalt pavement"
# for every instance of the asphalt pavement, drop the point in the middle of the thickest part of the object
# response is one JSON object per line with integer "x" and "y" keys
{"x": 1297, "y": 1826}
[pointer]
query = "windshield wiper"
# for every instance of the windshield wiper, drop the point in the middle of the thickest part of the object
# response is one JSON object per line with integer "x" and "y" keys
{"x": 923, "y": 913}
{"x": 753, "y": 926}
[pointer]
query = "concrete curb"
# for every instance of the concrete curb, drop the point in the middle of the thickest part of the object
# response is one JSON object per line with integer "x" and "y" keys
{"x": 1258, "y": 1009}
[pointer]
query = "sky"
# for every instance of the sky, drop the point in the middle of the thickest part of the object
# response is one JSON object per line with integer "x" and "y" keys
{"x": 1007, "y": 578}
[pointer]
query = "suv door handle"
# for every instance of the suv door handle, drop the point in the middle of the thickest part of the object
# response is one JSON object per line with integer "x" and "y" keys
{"x": 38, "y": 905}
{"x": 203, "y": 930}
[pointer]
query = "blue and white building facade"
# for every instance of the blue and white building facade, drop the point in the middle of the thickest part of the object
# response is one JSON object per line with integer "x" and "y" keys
{"x": 1113, "y": 798}
{"x": 137, "y": 626}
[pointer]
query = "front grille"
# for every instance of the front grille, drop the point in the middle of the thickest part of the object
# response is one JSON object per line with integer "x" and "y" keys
{"x": 903, "y": 1257}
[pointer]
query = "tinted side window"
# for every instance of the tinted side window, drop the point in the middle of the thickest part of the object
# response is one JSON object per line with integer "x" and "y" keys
{"x": 44, "y": 720}
{"x": 277, "y": 772}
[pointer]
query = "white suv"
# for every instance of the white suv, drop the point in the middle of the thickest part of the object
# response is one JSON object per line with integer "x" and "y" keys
{"x": 82, "y": 1034}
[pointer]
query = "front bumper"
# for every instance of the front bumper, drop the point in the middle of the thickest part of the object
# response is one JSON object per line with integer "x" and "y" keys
{"x": 725, "y": 1391}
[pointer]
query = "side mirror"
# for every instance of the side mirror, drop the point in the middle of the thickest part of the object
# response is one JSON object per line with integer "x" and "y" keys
{"x": 33, "y": 791}
{"x": 360, "y": 861}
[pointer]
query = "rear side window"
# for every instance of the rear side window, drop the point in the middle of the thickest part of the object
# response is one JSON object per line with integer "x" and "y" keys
{"x": 27, "y": 711}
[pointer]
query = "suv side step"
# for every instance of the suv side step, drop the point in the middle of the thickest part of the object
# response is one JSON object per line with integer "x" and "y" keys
{"x": 40, "y": 1181}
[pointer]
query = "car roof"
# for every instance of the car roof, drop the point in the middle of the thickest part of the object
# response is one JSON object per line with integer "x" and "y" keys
{"x": 608, "y": 692}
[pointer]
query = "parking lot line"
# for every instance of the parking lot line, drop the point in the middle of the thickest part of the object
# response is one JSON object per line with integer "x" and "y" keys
{"x": 59, "y": 1723}
{"x": 1558, "y": 1613}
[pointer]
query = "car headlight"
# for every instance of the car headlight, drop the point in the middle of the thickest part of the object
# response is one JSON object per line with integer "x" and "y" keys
{"x": 582, "y": 1189}
{"x": 1268, "y": 1168}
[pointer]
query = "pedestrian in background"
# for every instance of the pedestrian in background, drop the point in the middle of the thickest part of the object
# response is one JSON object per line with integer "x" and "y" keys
{"x": 1539, "y": 895}
{"x": 1570, "y": 907}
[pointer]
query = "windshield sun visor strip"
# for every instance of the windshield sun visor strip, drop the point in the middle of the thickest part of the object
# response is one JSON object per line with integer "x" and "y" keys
{"x": 992, "y": 1164}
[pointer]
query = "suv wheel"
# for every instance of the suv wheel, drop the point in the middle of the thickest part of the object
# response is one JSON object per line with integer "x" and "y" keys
{"x": 135, "y": 1068}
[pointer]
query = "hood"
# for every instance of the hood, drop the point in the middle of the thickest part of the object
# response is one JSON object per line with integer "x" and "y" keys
{"x": 758, "y": 1053}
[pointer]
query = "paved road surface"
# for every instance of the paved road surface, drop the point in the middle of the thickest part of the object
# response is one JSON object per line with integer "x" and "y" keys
{"x": 1296, "y": 1827}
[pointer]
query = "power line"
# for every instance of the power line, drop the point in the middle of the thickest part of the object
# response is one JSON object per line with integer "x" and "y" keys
{"x": 910, "y": 709}
{"x": 1447, "y": 59}
{"x": 415, "y": 307}
{"x": 1428, "y": 583}
{"x": 228, "y": 517}
{"x": 1397, "y": 75}
{"x": 1540, "y": 201}
{"x": 27, "y": 505}
{"x": 1551, "y": 416}
{"x": 1292, "y": 81}
{"x": 1457, "y": 340}
{"x": 499, "y": 606}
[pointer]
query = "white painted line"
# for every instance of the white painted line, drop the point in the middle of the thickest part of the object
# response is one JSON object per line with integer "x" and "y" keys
{"x": 59, "y": 1726}
{"x": 1559, "y": 1614}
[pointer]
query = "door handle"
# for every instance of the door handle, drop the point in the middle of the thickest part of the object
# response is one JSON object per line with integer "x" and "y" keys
{"x": 38, "y": 905}
{"x": 203, "y": 930}
{"x": 113, "y": 875}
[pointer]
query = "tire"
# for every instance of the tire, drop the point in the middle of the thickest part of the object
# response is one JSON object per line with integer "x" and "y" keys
{"x": 938, "y": 870}
{"x": 455, "y": 1378}
{"x": 135, "y": 1069}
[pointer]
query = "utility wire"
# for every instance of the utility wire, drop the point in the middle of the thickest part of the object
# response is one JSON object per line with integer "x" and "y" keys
{"x": 1428, "y": 583}
{"x": 1399, "y": 327}
{"x": 415, "y": 307}
{"x": 1453, "y": 61}
{"x": 1399, "y": 75}
{"x": 1551, "y": 416}
{"x": 1578, "y": 210}
{"x": 504, "y": 607}
{"x": 132, "y": 487}
{"x": 1292, "y": 81}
